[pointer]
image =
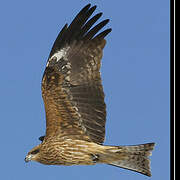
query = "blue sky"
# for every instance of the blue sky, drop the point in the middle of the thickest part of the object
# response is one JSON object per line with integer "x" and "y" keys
{"x": 135, "y": 74}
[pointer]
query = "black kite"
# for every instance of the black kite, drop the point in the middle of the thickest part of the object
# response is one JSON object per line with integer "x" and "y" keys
{"x": 74, "y": 102}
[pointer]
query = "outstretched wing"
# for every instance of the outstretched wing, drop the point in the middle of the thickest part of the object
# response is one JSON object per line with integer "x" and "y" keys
{"x": 71, "y": 85}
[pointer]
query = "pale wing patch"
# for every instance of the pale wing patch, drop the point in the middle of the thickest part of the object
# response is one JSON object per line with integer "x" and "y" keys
{"x": 59, "y": 55}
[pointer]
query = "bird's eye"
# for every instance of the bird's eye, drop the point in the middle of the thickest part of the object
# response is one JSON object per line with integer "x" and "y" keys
{"x": 35, "y": 151}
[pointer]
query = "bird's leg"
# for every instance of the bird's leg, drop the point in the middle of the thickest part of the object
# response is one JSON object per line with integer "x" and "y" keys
{"x": 95, "y": 158}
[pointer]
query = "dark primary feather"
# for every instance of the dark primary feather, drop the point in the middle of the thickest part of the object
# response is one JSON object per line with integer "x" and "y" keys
{"x": 96, "y": 29}
{"x": 78, "y": 28}
{"x": 71, "y": 86}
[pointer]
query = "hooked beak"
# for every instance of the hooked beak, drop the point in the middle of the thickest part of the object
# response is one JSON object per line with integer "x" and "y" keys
{"x": 28, "y": 158}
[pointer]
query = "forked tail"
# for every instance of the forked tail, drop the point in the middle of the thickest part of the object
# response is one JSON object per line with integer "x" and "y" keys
{"x": 134, "y": 158}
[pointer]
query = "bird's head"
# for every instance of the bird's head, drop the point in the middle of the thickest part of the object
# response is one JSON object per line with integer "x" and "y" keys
{"x": 33, "y": 155}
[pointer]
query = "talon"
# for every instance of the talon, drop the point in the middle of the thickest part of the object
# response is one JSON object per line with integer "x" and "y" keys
{"x": 95, "y": 158}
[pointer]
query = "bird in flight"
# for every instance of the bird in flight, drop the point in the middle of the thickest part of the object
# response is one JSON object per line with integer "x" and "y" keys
{"x": 74, "y": 102}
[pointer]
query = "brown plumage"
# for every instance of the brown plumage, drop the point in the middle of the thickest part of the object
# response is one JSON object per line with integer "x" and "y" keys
{"x": 74, "y": 102}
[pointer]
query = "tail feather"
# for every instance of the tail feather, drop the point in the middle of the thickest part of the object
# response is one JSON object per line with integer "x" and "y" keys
{"x": 134, "y": 158}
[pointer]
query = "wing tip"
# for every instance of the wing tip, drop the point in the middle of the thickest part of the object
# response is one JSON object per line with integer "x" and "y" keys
{"x": 81, "y": 29}
{"x": 87, "y": 6}
{"x": 94, "y": 7}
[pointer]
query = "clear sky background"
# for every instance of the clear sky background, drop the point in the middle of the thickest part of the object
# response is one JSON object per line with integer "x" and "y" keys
{"x": 135, "y": 74}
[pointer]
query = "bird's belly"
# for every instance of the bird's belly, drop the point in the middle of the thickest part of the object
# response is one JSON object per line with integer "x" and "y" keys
{"x": 71, "y": 152}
